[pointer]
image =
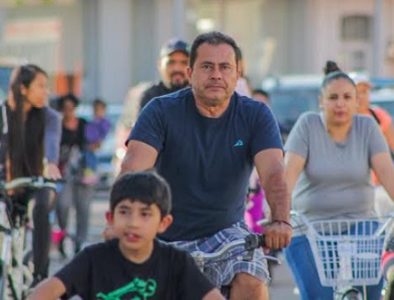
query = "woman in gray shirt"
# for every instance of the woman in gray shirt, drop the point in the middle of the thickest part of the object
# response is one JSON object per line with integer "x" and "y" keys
{"x": 329, "y": 157}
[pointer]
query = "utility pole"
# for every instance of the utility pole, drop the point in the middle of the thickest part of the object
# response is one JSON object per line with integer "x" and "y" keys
{"x": 179, "y": 18}
{"x": 377, "y": 44}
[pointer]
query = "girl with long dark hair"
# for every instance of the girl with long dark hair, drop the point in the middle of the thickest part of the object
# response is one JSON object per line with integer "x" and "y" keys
{"x": 30, "y": 134}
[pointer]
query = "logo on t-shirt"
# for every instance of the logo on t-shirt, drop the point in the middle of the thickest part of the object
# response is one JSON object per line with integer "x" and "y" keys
{"x": 137, "y": 289}
{"x": 238, "y": 143}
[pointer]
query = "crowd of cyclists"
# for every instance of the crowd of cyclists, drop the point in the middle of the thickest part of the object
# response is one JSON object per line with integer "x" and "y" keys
{"x": 210, "y": 138}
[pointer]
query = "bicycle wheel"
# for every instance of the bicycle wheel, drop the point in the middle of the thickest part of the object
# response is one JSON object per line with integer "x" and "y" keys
{"x": 3, "y": 281}
{"x": 15, "y": 272}
{"x": 28, "y": 268}
{"x": 5, "y": 260}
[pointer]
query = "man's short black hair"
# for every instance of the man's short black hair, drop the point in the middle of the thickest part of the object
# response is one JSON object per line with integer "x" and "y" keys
{"x": 261, "y": 92}
{"x": 147, "y": 187}
{"x": 213, "y": 38}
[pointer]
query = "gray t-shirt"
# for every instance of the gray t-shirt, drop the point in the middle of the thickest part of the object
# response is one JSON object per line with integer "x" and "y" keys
{"x": 335, "y": 182}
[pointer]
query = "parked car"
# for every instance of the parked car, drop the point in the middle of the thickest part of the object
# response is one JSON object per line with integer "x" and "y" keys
{"x": 291, "y": 96}
{"x": 105, "y": 154}
{"x": 379, "y": 83}
{"x": 5, "y": 73}
{"x": 384, "y": 98}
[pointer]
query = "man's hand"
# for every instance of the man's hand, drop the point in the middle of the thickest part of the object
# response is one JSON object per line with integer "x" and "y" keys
{"x": 278, "y": 235}
{"x": 51, "y": 171}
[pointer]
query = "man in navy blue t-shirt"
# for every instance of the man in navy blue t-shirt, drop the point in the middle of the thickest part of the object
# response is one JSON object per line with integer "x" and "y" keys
{"x": 205, "y": 141}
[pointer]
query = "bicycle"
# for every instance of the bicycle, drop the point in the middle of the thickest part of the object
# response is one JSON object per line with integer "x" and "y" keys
{"x": 347, "y": 252}
{"x": 387, "y": 264}
{"x": 15, "y": 275}
{"x": 250, "y": 242}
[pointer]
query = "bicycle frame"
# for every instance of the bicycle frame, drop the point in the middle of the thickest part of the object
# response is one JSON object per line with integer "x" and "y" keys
{"x": 346, "y": 252}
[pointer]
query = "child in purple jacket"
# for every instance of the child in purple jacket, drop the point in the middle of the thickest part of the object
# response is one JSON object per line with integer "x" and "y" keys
{"x": 95, "y": 132}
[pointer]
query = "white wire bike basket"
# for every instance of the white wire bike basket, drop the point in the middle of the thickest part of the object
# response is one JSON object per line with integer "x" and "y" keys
{"x": 347, "y": 252}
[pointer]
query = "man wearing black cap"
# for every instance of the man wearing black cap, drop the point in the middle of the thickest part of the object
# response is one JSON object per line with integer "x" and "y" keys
{"x": 174, "y": 57}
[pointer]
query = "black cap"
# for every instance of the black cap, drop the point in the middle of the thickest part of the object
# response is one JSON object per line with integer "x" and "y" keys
{"x": 174, "y": 45}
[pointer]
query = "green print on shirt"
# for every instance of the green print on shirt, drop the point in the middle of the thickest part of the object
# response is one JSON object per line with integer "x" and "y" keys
{"x": 140, "y": 289}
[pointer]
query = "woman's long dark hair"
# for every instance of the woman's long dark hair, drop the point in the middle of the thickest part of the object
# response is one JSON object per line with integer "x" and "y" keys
{"x": 26, "y": 133}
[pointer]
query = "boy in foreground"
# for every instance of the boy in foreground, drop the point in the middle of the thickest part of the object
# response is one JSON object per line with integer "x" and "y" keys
{"x": 136, "y": 265}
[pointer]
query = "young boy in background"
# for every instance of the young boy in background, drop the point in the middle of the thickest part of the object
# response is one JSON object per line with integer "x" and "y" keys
{"x": 95, "y": 132}
{"x": 136, "y": 265}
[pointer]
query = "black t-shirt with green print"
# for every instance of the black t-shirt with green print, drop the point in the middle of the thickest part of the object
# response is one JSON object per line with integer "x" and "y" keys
{"x": 101, "y": 271}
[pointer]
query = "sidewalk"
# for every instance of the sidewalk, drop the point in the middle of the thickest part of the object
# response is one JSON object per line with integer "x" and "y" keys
{"x": 282, "y": 285}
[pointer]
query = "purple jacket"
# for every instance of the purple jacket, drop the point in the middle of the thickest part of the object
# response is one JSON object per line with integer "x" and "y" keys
{"x": 96, "y": 130}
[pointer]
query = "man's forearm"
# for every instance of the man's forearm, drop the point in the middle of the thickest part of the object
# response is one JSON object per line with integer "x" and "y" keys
{"x": 278, "y": 197}
{"x": 139, "y": 157}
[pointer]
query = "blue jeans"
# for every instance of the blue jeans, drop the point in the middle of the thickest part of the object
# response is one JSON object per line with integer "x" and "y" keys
{"x": 300, "y": 260}
{"x": 90, "y": 160}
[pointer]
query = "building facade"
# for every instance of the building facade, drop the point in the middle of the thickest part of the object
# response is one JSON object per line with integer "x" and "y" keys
{"x": 102, "y": 47}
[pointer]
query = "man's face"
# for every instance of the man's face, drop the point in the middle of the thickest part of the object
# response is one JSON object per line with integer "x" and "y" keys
{"x": 173, "y": 70}
{"x": 363, "y": 95}
{"x": 214, "y": 74}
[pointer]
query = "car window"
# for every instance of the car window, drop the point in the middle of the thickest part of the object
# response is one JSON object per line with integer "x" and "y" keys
{"x": 5, "y": 73}
{"x": 287, "y": 105}
{"x": 386, "y": 105}
{"x": 384, "y": 98}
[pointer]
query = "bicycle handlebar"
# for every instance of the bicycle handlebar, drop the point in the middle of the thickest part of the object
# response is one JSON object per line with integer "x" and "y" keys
{"x": 34, "y": 182}
{"x": 250, "y": 243}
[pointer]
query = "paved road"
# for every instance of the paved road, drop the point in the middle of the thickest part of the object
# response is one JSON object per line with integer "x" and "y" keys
{"x": 282, "y": 285}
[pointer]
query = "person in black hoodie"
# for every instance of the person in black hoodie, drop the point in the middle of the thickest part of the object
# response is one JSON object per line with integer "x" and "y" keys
{"x": 173, "y": 62}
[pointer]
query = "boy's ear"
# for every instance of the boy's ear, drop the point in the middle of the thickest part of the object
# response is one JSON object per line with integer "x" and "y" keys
{"x": 165, "y": 223}
{"x": 109, "y": 217}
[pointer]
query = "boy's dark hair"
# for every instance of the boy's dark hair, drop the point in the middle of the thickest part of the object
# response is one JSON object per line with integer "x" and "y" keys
{"x": 213, "y": 38}
{"x": 147, "y": 187}
{"x": 99, "y": 102}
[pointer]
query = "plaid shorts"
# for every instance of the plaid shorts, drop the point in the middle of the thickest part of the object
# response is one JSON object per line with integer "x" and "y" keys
{"x": 223, "y": 272}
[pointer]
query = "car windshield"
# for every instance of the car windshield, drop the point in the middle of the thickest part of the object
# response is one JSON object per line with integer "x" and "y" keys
{"x": 289, "y": 104}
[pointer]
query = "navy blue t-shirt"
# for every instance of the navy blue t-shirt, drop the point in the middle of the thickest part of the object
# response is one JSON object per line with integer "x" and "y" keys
{"x": 207, "y": 161}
